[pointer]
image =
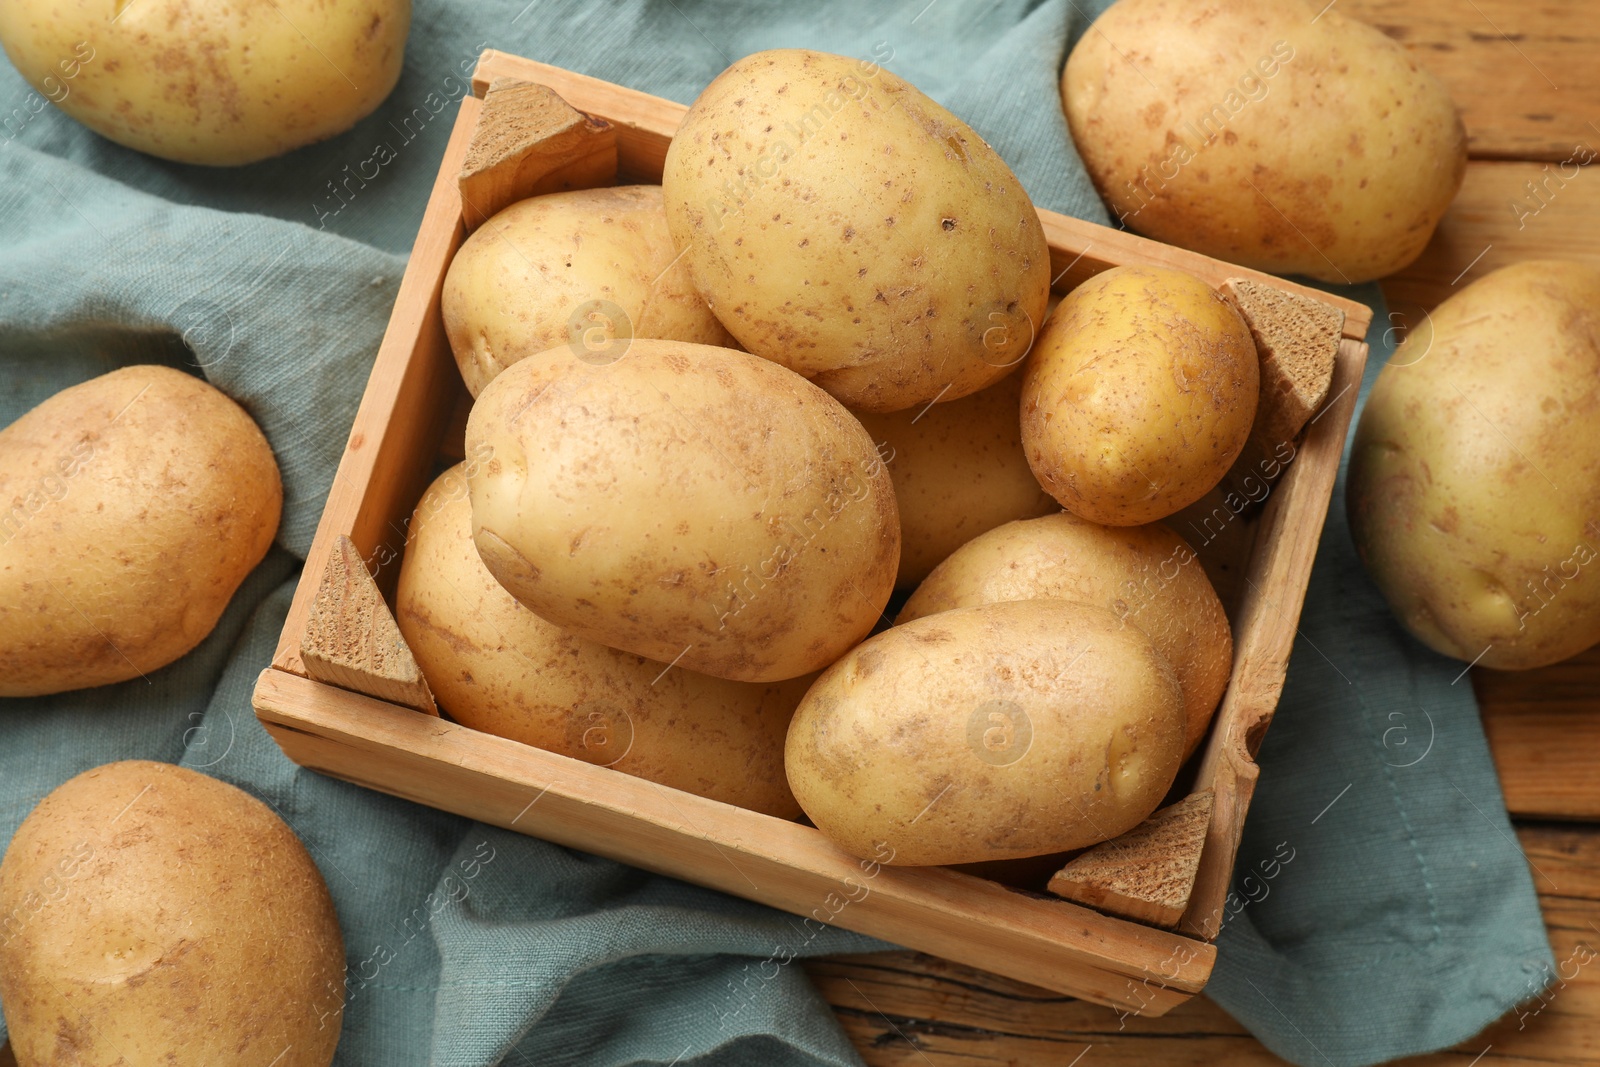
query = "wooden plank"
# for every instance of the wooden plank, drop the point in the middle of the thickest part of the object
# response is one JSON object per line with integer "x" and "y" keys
{"x": 1544, "y": 730}
{"x": 1079, "y": 250}
{"x": 403, "y": 414}
{"x": 909, "y": 1010}
{"x": 1523, "y": 74}
{"x": 1297, "y": 341}
{"x": 1496, "y": 221}
{"x": 1264, "y": 630}
{"x": 785, "y": 864}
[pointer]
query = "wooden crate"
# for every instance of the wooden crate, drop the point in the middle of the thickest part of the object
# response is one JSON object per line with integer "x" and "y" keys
{"x": 411, "y": 416}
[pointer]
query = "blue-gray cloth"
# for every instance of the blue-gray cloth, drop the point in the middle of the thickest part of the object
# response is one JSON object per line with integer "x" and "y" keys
{"x": 1383, "y": 907}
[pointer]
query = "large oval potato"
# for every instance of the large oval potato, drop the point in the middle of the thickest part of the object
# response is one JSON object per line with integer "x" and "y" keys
{"x": 986, "y": 733}
{"x": 496, "y": 666}
{"x": 958, "y": 470}
{"x": 1474, "y": 486}
{"x": 689, "y": 504}
{"x": 1145, "y": 575}
{"x": 131, "y": 507}
{"x": 213, "y": 83}
{"x": 1139, "y": 395}
{"x": 1274, "y": 133}
{"x": 590, "y": 269}
{"x": 913, "y": 265}
{"x": 154, "y": 915}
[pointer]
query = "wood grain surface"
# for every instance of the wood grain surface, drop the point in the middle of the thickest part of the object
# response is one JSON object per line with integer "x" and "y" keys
{"x": 1496, "y": 221}
{"x": 1523, "y": 72}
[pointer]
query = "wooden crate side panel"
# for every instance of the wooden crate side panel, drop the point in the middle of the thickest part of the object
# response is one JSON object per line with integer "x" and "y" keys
{"x": 1048, "y": 942}
{"x": 1264, "y": 632}
{"x": 389, "y": 453}
{"x": 1078, "y": 249}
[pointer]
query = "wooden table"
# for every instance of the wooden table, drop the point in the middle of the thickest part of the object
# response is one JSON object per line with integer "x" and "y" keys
{"x": 1526, "y": 77}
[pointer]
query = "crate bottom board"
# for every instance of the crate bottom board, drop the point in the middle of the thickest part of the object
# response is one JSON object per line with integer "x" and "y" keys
{"x": 1047, "y": 942}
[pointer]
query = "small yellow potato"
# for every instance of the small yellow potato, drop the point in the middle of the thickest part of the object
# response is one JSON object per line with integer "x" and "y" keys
{"x": 689, "y": 504}
{"x": 589, "y": 269}
{"x": 151, "y": 915}
{"x": 1139, "y": 395}
{"x": 1147, "y": 576}
{"x": 844, "y": 225}
{"x": 1274, "y": 133}
{"x": 497, "y": 667}
{"x": 131, "y": 508}
{"x": 958, "y": 470}
{"x": 1474, "y": 486}
{"x": 213, "y": 83}
{"x": 987, "y": 733}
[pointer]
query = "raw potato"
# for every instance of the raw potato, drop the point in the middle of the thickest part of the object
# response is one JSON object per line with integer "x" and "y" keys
{"x": 986, "y": 733}
{"x": 1139, "y": 395}
{"x": 844, "y": 225}
{"x": 1274, "y": 133}
{"x": 1474, "y": 488}
{"x": 958, "y": 470}
{"x": 153, "y": 915}
{"x": 689, "y": 504}
{"x": 496, "y": 666}
{"x": 131, "y": 507}
{"x": 588, "y": 269}
{"x": 1145, "y": 575}
{"x": 214, "y": 83}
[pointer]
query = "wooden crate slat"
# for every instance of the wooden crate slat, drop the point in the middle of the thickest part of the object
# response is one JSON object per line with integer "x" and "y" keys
{"x": 1048, "y": 942}
{"x": 1264, "y": 630}
{"x": 387, "y": 457}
